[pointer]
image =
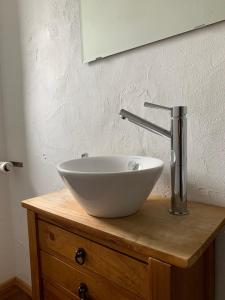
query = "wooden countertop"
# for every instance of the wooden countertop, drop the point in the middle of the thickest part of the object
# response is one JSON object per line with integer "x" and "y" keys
{"x": 152, "y": 232}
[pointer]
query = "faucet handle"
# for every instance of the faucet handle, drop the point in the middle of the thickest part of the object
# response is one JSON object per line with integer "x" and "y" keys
{"x": 176, "y": 111}
{"x": 152, "y": 105}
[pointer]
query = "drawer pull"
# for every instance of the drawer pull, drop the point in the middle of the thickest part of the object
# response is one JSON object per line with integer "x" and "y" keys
{"x": 83, "y": 291}
{"x": 80, "y": 256}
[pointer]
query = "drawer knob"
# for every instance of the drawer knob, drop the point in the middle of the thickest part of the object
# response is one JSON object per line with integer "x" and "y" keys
{"x": 83, "y": 291}
{"x": 80, "y": 256}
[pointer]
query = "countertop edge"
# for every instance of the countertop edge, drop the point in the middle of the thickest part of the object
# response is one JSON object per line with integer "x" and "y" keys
{"x": 121, "y": 244}
{"x": 149, "y": 253}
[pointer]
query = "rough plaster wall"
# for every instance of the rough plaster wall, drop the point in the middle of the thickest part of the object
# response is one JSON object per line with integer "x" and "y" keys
{"x": 58, "y": 108}
{"x": 6, "y": 237}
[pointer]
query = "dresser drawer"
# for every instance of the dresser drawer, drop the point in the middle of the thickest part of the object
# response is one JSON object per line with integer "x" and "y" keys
{"x": 96, "y": 287}
{"x": 116, "y": 267}
{"x": 53, "y": 292}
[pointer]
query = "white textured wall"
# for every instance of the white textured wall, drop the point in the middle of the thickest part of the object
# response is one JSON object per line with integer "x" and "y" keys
{"x": 58, "y": 108}
{"x": 6, "y": 232}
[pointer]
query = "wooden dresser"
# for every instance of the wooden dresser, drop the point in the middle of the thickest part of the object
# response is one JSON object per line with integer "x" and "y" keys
{"x": 148, "y": 256}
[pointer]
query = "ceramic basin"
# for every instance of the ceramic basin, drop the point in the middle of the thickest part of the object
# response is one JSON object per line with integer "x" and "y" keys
{"x": 111, "y": 186}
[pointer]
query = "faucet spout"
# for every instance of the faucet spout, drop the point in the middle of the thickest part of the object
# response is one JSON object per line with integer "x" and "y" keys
{"x": 144, "y": 123}
{"x": 178, "y": 164}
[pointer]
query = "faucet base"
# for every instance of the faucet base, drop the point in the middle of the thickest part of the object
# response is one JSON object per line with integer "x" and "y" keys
{"x": 178, "y": 213}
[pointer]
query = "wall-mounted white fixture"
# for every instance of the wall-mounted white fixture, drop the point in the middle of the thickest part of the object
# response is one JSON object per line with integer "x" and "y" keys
{"x": 7, "y": 166}
{"x": 110, "y": 27}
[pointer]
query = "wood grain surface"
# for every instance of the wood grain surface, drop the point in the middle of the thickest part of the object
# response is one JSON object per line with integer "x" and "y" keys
{"x": 112, "y": 265}
{"x": 152, "y": 232}
{"x": 56, "y": 292}
{"x": 15, "y": 289}
{"x": 56, "y": 271}
{"x": 34, "y": 255}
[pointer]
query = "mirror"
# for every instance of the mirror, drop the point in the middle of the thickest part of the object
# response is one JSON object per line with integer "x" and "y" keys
{"x": 112, "y": 26}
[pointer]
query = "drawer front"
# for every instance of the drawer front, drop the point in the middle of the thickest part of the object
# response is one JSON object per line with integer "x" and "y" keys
{"x": 114, "y": 266}
{"x": 52, "y": 292}
{"x": 96, "y": 287}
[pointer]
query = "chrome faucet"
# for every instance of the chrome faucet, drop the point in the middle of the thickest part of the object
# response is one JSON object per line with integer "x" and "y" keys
{"x": 178, "y": 136}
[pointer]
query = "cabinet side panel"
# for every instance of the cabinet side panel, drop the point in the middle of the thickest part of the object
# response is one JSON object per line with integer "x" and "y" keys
{"x": 189, "y": 283}
{"x": 160, "y": 280}
{"x": 34, "y": 255}
{"x": 197, "y": 282}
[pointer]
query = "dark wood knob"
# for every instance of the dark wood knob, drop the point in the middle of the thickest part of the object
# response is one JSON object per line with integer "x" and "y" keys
{"x": 80, "y": 256}
{"x": 83, "y": 291}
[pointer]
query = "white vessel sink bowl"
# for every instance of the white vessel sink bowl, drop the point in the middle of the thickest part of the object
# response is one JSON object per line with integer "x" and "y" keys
{"x": 111, "y": 186}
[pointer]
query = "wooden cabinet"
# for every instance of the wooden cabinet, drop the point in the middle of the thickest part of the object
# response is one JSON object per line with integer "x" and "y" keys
{"x": 97, "y": 259}
{"x": 95, "y": 286}
{"x": 149, "y": 256}
{"x": 54, "y": 292}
